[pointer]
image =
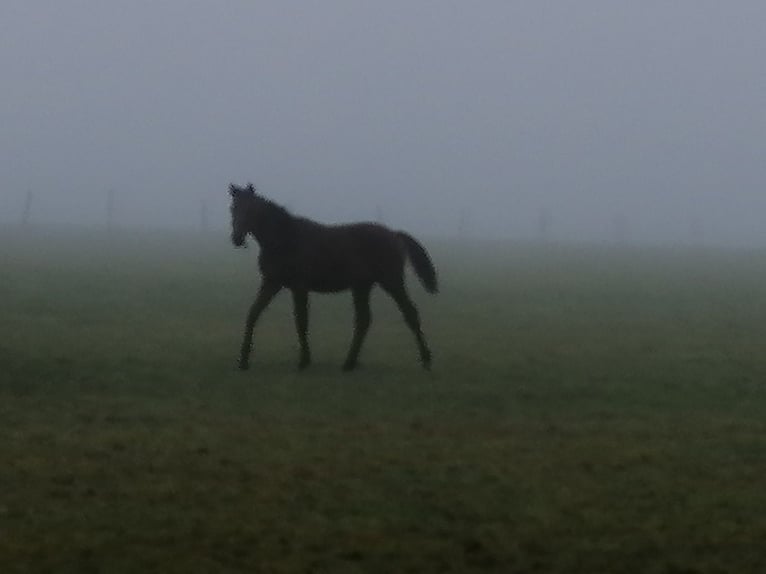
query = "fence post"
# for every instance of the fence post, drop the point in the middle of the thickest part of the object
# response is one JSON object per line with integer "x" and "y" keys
{"x": 203, "y": 220}
{"x": 26, "y": 214}
{"x": 110, "y": 210}
{"x": 462, "y": 223}
{"x": 620, "y": 228}
{"x": 544, "y": 223}
{"x": 696, "y": 231}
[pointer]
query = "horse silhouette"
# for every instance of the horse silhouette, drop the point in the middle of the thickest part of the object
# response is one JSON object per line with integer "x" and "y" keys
{"x": 303, "y": 256}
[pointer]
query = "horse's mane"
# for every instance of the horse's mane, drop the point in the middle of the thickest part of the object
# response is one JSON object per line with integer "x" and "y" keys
{"x": 274, "y": 225}
{"x": 274, "y": 211}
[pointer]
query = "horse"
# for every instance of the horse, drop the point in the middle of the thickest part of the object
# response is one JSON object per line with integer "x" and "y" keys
{"x": 302, "y": 256}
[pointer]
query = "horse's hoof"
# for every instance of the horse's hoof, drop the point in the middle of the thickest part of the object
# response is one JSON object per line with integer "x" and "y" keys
{"x": 426, "y": 360}
{"x": 348, "y": 367}
{"x": 244, "y": 365}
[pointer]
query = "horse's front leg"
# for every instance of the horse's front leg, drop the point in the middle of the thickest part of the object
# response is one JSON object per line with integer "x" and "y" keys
{"x": 265, "y": 294}
{"x": 301, "y": 312}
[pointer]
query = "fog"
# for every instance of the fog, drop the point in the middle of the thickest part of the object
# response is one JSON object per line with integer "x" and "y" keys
{"x": 638, "y": 121}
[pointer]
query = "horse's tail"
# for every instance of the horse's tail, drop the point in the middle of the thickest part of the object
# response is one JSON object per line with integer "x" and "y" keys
{"x": 421, "y": 262}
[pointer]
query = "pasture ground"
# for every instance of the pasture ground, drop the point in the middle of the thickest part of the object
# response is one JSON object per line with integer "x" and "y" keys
{"x": 591, "y": 409}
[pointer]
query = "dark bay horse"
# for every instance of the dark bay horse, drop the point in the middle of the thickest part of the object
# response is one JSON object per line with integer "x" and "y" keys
{"x": 302, "y": 255}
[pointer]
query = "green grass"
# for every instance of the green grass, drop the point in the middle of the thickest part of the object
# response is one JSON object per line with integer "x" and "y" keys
{"x": 590, "y": 410}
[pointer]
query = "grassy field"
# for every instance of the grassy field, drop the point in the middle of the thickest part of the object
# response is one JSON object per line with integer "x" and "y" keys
{"x": 590, "y": 410}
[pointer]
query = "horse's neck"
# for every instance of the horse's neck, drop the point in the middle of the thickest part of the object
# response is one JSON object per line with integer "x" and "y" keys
{"x": 267, "y": 242}
{"x": 275, "y": 236}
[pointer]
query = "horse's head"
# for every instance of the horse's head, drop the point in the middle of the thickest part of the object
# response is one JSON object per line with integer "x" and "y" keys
{"x": 242, "y": 201}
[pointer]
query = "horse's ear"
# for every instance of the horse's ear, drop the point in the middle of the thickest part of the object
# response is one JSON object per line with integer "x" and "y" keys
{"x": 250, "y": 189}
{"x": 233, "y": 189}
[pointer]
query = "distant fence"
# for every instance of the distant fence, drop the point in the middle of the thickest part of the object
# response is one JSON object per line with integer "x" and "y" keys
{"x": 117, "y": 208}
{"x": 112, "y": 208}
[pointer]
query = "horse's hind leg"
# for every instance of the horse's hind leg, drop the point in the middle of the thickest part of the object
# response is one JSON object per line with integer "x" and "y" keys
{"x": 265, "y": 295}
{"x": 399, "y": 294}
{"x": 301, "y": 312}
{"x": 362, "y": 320}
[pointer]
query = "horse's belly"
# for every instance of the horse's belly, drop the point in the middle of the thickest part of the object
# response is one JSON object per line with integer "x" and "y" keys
{"x": 328, "y": 284}
{"x": 333, "y": 278}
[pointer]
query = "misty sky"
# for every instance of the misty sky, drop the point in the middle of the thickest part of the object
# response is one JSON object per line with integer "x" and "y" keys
{"x": 653, "y": 109}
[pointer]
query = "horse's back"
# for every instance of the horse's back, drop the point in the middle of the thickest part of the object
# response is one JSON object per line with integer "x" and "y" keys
{"x": 337, "y": 257}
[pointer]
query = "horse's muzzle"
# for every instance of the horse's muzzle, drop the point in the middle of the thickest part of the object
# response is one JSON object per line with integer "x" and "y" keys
{"x": 238, "y": 240}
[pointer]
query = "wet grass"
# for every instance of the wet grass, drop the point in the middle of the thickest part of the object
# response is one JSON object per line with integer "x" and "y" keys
{"x": 590, "y": 410}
